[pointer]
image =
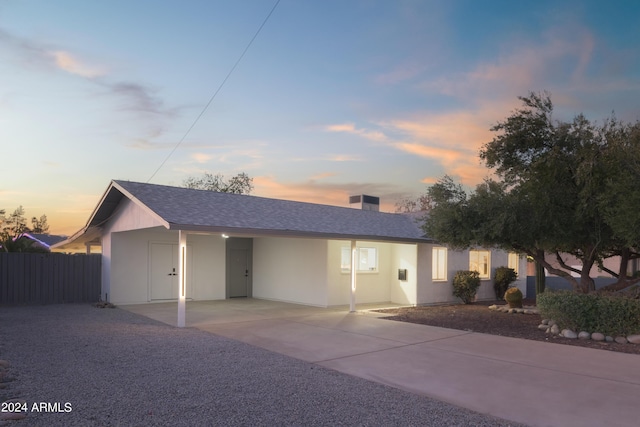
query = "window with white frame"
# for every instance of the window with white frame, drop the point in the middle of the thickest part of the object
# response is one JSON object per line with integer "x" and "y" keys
{"x": 439, "y": 264}
{"x": 480, "y": 261}
{"x": 513, "y": 261}
{"x": 367, "y": 259}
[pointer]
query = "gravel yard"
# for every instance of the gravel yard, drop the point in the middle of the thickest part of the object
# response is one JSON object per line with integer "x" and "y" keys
{"x": 109, "y": 367}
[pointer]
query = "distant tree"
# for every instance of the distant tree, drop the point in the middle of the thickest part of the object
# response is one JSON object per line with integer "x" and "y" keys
{"x": 13, "y": 227}
{"x": 39, "y": 225}
{"x": 239, "y": 184}
{"x": 421, "y": 204}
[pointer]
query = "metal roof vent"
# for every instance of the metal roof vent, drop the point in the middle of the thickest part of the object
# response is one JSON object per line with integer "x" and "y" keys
{"x": 364, "y": 202}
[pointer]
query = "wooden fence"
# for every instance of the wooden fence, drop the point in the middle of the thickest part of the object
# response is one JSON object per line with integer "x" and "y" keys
{"x": 50, "y": 278}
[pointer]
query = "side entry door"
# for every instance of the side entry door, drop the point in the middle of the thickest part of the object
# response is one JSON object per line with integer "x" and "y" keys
{"x": 239, "y": 276}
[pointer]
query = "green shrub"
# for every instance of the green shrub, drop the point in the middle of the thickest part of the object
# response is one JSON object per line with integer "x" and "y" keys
{"x": 504, "y": 277}
{"x": 610, "y": 315}
{"x": 514, "y": 297}
{"x": 465, "y": 285}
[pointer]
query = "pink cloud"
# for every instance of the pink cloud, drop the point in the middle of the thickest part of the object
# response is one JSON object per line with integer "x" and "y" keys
{"x": 71, "y": 64}
{"x": 350, "y": 128}
{"x": 335, "y": 194}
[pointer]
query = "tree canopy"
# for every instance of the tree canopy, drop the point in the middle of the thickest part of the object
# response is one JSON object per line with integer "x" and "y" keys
{"x": 559, "y": 187}
{"x": 238, "y": 184}
{"x": 13, "y": 228}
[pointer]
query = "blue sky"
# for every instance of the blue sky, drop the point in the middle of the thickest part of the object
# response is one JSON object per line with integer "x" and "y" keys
{"x": 333, "y": 97}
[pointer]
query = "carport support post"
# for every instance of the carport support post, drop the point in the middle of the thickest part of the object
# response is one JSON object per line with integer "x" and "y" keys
{"x": 352, "y": 306}
{"x": 182, "y": 276}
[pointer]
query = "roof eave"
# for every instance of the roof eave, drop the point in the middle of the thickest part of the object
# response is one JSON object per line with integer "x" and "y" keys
{"x": 84, "y": 236}
{"x": 237, "y": 231}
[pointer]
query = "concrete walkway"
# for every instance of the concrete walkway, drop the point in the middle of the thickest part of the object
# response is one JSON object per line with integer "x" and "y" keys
{"x": 536, "y": 383}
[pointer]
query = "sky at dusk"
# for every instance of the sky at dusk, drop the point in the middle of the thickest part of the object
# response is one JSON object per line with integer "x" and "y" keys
{"x": 332, "y": 98}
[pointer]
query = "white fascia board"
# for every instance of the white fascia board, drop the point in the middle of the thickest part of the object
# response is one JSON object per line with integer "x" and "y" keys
{"x": 257, "y": 232}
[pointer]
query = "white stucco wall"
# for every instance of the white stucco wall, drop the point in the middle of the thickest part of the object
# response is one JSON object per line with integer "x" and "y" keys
{"x": 435, "y": 292}
{"x": 105, "y": 247}
{"x": 374, "y": 287}
{"x": 126, "y": 245}
{"x": 127, "y": 216}
{"x": 209, "y": 274}
{"x": 130, "y": 264}
{"x": 290, "y": 270}
{"x": 404, "y": 257}
{"x": 370, "y": 286}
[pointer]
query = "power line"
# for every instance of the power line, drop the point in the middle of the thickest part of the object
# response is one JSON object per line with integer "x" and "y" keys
{"x": 215, "y": 93}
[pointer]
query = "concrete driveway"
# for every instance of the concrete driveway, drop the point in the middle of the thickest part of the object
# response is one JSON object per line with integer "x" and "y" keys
{"x": 535, "y": 383}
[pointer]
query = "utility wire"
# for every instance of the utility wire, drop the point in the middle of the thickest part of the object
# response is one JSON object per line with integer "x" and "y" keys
{"x": 215, "y": 93}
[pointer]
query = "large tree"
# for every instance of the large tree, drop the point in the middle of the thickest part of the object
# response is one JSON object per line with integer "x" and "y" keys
{"x": 238, "y": 184}
{"x": 554, "y": 183}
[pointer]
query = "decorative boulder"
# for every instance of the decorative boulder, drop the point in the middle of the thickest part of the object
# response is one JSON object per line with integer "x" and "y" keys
{"x": 634, "y": 339}
{"x": 584, "y": 335}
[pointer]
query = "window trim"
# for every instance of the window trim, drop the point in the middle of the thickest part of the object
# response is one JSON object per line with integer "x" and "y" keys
{"x": 515, "y": 267}
{"x": 437, "y": 250}
{"x": 359, "y": 249}
{"x": 483, "y": 276}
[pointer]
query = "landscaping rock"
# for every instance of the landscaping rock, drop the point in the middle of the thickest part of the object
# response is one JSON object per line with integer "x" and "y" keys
{"x": 634, "y": 339}
{"x": 545, "y": 321}
{"x": 568, "y": 333}
{"x": 608, "y": 338}
{"x": 506, "y": 309}
{"x": 555, "y": 329}
{"x": 597, "y": 336}
{"x": 621, "y": 340}
{"x": 583, "y": 335}
{"x": 543, "y": 327}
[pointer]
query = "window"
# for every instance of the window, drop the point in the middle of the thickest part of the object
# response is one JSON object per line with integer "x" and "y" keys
{"x": 439, "y": 264}
{"x": 367, "y": 259}
{"x": 513, "y": 261}
{"x": 480, "y": 261}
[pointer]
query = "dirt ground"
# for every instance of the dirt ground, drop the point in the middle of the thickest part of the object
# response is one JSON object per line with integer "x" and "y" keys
{"x": 477, "y": 317}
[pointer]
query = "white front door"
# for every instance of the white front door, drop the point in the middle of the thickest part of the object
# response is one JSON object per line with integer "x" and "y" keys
{"x": 164, "y": 272}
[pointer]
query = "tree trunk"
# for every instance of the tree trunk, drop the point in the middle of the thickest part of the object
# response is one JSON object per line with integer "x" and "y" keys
{"x": 625, "y": 255}
{"x": 540, "y": 279}
{"x": 587, "y": 284}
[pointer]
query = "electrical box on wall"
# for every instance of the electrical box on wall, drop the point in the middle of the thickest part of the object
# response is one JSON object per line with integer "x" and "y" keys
{"x": 402, "y": 274}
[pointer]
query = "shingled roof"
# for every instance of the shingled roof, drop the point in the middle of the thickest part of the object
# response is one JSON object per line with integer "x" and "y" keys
{"x": 209, "y": 211}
